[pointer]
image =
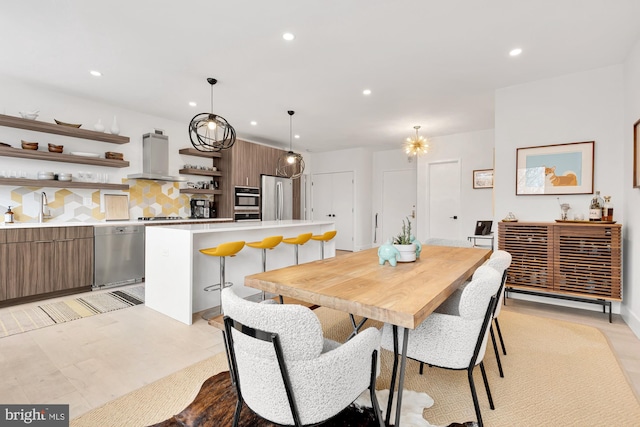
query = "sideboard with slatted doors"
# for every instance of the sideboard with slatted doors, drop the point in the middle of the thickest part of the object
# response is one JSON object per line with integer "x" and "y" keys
{"x": 572, "y": 261}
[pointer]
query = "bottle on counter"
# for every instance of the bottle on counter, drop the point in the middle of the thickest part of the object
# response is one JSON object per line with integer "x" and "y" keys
{"x": 607, "y": 210}
{"x": 595, "y": 208}
{"x": 8, "y": 216}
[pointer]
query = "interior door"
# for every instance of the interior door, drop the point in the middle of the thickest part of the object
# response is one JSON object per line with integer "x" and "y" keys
{"x": 444, "y": 200}
{"x": 343, "y": 209}
{"x": 332, "y": 199}
{"x": 398, "y": 203}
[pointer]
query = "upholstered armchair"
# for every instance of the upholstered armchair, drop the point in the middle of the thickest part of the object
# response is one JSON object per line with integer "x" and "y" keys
{"x": 457, "y": 341}
{"x": 286, "y": 371}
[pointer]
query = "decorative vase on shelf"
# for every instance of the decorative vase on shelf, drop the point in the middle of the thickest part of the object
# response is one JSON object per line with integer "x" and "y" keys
{"x": 114, "y": 126}
{"x": 99, "y": 126}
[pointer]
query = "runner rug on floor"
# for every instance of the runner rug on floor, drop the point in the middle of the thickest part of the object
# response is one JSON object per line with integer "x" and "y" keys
{"x": 22, "y": 320}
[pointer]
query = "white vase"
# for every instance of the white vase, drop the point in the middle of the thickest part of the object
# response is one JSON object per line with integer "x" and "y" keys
{"x": 114, "y": 126}
{"x": 99, "y": 126}
{"x": 407, "y": 252}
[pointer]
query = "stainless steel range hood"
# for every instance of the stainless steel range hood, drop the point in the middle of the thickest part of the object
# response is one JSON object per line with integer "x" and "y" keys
{"x": 155, "y": 159}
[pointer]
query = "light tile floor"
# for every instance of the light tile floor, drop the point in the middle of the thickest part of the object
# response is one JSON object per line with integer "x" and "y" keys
{"x": 88, "y": 362}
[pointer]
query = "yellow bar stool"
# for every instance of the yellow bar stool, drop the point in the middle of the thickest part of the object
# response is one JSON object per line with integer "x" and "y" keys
{"x": 223, "y": 250}
{"x": 324, "y": 238}
{"x": 266, "y": 243}
{"x": 297, "y": 241}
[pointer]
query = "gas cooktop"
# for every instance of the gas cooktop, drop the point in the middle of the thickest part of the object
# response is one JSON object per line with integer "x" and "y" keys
{"x": 160, "y": 218}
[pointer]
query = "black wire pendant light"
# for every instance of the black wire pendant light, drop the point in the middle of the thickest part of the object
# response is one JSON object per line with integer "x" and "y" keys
{"x": 290, "y": 164}
{"x": 210, "y": 132}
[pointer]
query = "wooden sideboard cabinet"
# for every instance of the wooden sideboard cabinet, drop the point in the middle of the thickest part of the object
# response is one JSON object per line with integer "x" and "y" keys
{"x": 576, "y": 261}
{"x": 43, "y": 262}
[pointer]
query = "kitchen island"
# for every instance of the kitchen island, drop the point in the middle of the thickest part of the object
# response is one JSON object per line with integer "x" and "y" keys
{"x": 176, "y": 273}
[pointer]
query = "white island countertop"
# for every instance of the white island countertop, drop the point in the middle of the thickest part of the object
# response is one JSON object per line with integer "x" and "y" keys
{"x": 176, "y": 272}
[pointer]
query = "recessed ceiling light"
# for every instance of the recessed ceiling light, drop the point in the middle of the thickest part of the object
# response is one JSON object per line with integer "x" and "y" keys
{"x": 288, "y": 36}
{"x": 254, "y": 123}
{"x": 296, "y": 136}
{"x": 192, "y": 104}
{"x": 366, "y": 92}
{"x": 515, "y": 52}
{"x": 95, "y": 73}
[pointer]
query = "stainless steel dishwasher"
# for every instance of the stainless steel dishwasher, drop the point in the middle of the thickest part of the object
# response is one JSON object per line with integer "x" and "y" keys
{"x": 119, "y": 255}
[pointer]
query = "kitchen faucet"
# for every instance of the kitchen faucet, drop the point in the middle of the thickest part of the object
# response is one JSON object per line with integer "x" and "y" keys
{"x": 44, "y": 203}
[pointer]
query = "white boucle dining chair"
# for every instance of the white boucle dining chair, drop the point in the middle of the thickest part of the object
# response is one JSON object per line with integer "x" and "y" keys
{"x": 286, "y": 371}
{"x": 500, "y": 261}
{"x": 457, "y": 341}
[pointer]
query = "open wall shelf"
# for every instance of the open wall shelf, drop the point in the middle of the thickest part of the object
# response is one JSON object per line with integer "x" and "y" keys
{"x": 35, "y": 125}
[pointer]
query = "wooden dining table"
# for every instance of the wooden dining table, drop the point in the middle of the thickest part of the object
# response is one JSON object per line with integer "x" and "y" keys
{"x": 357, "y": 284}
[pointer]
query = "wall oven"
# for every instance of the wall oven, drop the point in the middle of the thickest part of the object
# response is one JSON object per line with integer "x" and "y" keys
{"x": 247, "y": 198}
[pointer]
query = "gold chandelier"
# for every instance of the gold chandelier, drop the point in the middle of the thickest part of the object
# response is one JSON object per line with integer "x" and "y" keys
{"x": 417, "y": 145}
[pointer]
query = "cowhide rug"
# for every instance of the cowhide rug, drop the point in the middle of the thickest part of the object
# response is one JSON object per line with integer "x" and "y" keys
{"x": 215, "y": 404}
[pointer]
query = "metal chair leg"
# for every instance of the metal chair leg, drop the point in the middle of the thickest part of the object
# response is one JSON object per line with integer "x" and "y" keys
{"x": 495, "y": 349}
{"x": 474, "y": 396}
{"x": 486, "y": 385}
{"x": 504, "y": 350}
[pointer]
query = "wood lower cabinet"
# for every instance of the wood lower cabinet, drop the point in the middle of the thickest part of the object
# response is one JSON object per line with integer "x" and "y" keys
{"x": 572, "y": 259}
{"x": 47, "y": 261}
{"x": 3, "y": 265}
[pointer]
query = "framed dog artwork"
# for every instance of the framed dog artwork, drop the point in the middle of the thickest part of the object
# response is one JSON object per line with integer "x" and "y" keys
{"x": 555, "y": 169}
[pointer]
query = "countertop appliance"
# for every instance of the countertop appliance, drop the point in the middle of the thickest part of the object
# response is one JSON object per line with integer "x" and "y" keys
{"x": 200, "y": 209}
{"x": 277, "y": 198}
{"x": 119, "y": 255}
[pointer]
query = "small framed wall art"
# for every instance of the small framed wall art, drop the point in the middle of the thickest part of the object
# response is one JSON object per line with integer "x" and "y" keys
{"x": 483, "y": 178}
{"x": 636, "y": 154}
{"x": 555, "y": 169}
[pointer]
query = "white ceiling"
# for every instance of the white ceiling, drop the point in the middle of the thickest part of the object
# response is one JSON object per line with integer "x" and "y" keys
{"x": 434, "y": 63}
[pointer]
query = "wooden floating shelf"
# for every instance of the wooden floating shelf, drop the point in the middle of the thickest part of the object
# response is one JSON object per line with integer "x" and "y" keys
{"x": 199, "y": 191}
{"x": 59, "y": 157}
{"x": 23, "y": 182}
{"x": 194, "y": 152}
{"x": 35, "y": 125}
{"x": 199, "y": 172}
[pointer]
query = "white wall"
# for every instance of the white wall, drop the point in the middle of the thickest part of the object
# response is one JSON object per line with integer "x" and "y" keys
{"x": 578, "y": 107}
{"x": 474, "y": 150}
{"x": 359, "y": 161}
{"x": 631, "y": 206}
{"x": 585, "y": 106}
{"x": 19, "y": 96}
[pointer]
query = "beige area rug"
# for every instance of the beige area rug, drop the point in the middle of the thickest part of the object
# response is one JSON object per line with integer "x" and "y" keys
{"x": 556, "y": 374}
{"x": 16, "y": 321}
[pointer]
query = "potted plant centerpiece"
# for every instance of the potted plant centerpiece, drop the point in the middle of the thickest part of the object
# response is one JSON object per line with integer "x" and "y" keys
{"x": 403, "y": 242}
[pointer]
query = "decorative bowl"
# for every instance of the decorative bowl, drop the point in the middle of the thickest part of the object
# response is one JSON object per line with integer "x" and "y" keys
{"x": 29, "y": 145}
{"x": 71, "y": 125}
{"x": 113, "y": 155}
{"x": 31, "y": 115}
{"x": 64, "y": 177}
{"x": 55, "y": 148}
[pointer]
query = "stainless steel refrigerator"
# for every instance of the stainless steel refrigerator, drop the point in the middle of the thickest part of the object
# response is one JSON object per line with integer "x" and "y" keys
{"x": 276, "y": 196}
